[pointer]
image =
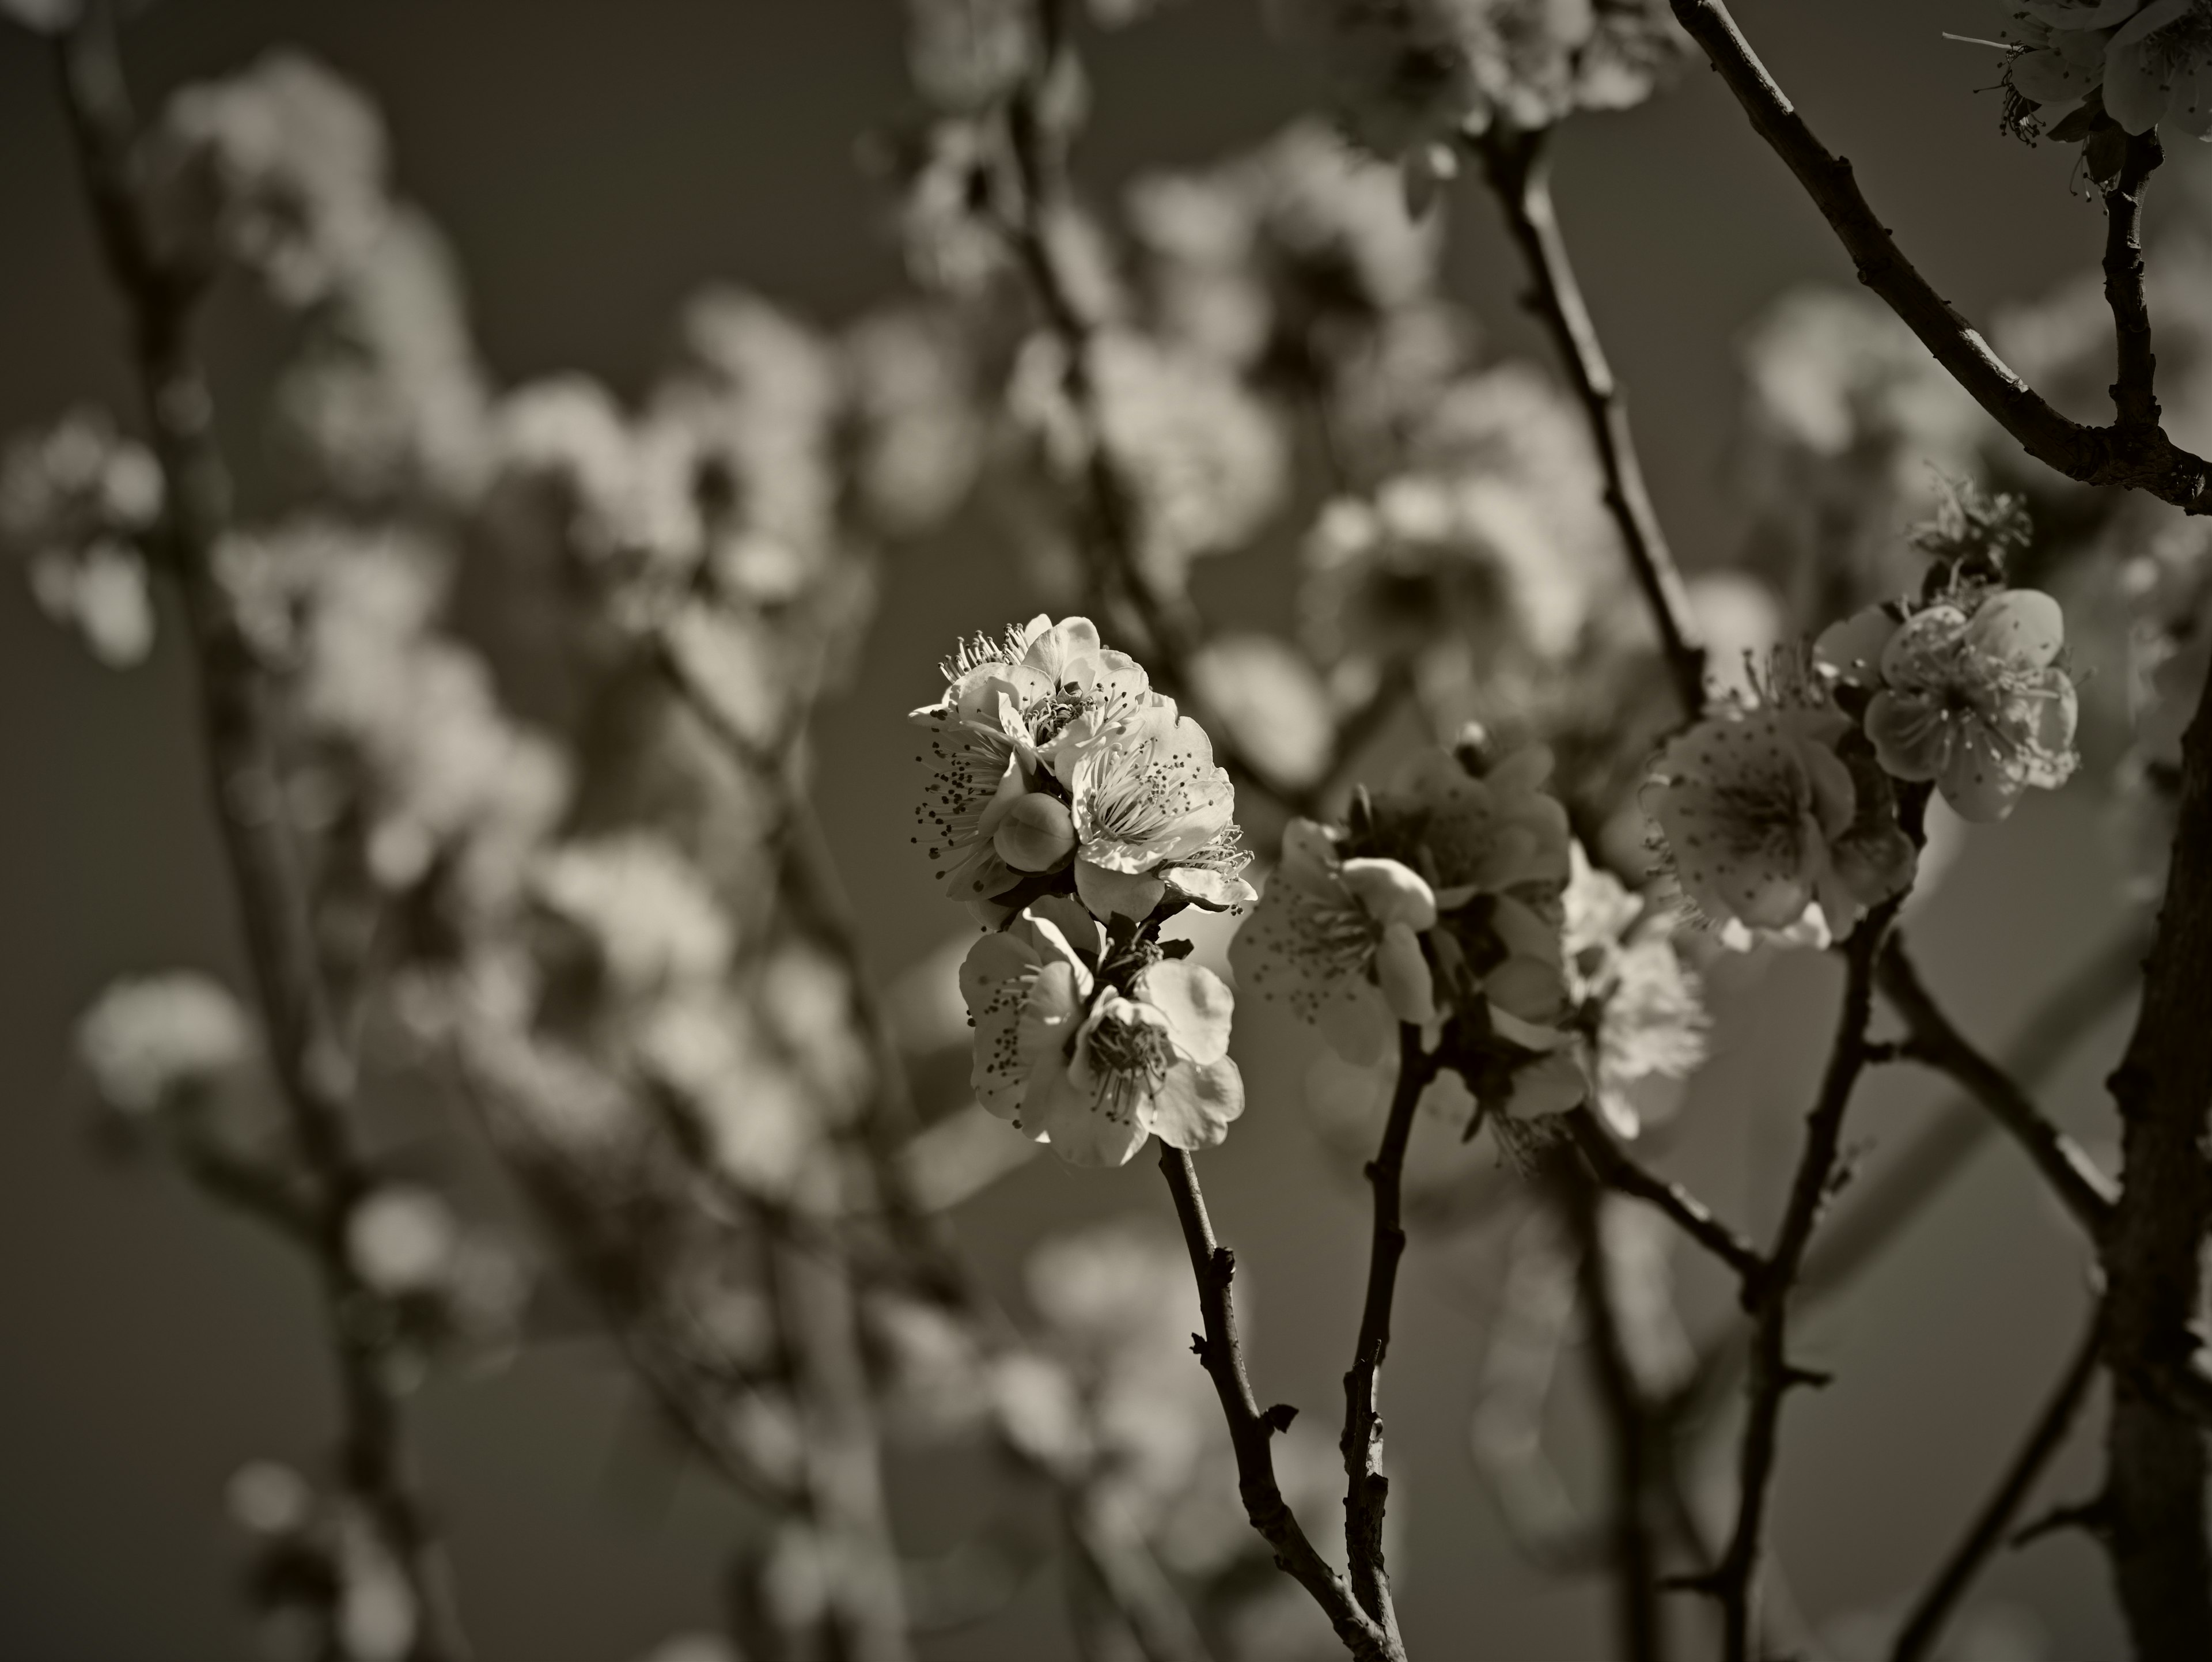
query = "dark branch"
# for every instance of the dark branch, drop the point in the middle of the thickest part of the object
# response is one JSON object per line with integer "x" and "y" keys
{"x": 1519, "y": 171}
{"x": 1932, "y": 1041}
{"x": 2134, "y": 395}
{"x": 2137, "y": 457}
{"x": 1221, "y": 1353}
{"x": 1734, "y": 1579}
{"x": 1366, "y": 1489}
{"x": 1617, "y": 1169}
{"x": 1924, "y": 1626}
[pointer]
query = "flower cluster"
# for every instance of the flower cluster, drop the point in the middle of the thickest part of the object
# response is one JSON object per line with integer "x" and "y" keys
{"x": 2140, "y": 62}
{"x": 76, "y": 500}
{"x": 1437, "y": 907}
{"x": 1637, "y": 1011}
{"x": 148, "y": 1043}
{"x": 1057, "y": 770}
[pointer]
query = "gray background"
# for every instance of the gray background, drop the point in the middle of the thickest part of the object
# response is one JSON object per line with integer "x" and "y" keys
{"x": 594, "y": 162}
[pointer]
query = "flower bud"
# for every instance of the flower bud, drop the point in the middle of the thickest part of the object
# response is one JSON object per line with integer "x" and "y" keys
{"x": 1036, "y": 834}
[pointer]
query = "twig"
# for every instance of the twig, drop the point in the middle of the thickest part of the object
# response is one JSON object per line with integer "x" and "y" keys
{"x": 1615, "y": 1168}
{"x": 1631, "y": 1538}
{"x": 2138, "y": 457}
{"x": 1924, "y": 1626}
{"x": 1734, "y": 1579}
{"x": 1518, "y": 167}
{"x": 2155, "y": 1467}
{"x": 2134, "y": 393}
{"x": 313, "y": 1064}
{"x": 1366, "y": 1489}
{"x": 1931, "y": 1040}
{"x": 1220, "y": 1351}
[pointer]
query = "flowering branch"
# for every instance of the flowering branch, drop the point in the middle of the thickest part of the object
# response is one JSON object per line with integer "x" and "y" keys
{"x": 1923, "y": 1628}
{"x": 1734, "y": 1581}
{"x": 1934, "y": 1042}
{"x": 1518, "y": 168}
{"x": 2138, "y": 456}
{"x": 1251, "y": 1430}
{"x": 313, "y": 1063}
{"x": 2135, "y": 397}
{"x": 1366, "y": 1489}
{"x": 1615, "y": 1168}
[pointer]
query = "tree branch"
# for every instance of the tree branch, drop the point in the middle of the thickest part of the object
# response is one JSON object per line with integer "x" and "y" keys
{"x": 1734, "y": 1579}
{"x": 312, "y": 1061}
{"x": 1617, "y": 1169}
{"x": 1518, "y": 168}
{"x": 1924, "y": 1627}
{"x": 2156, "y": 1469}
{"x": 2135, "y": 395}
{"x": 1932, "y": 1041}
{"x": 1366, "y": 1489}
{"x": 2138, "y": 457}
{"x": 1221, "y": 1353}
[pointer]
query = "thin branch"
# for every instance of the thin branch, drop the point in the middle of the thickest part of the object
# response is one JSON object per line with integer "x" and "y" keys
{"x": 2134, "y": 393}
{"x": 2156, "y": 1467}
{"x": 1517, "y": 164}
{"x": 1917, "y": 1639}
{"x": 313, "y": 1061}
{"x": 1366, "y": 1489}
{"x": 1734, "y": 1579}
{"x": 1631, "y": 1540}
{"x": 1617, "y": 1169}
{"x": 1931, "y": 1040}
{"x": 2137, "y": 457}
{"x": 1220, "y": 1351}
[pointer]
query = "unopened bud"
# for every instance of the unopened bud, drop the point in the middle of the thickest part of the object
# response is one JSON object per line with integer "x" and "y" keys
{"x": 1036, "y": 834}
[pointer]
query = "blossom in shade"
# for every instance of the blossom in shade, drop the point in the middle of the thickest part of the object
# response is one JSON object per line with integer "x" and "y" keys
{"x": 1763, "y": 822}
{"x": 1090, "y": 1066}
{"x": 1967, "y": 693}
{"x": 1640, "y": 1010}
{"x": 2147, "y": 63}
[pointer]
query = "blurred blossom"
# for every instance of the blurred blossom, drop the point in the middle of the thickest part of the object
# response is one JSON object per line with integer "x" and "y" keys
{"x": 1849, "y": 427}
{"x": 148, "y": 1041}
{"x": 760, "y": 1121}
{"x": 966, "y": 54}
{"x": 268, "y": 1498}
{"x": 75, "y": 500}
{"x": 401, "y": 1238}
{"x": 282, "y": 167}
{"x": 1204, "y": 462}
{"x": 937, "y": 1378}
{"x": 923, "y": 1003}
{"x": 1274, "y": 705}
{"x": 692, "y": 1647}
{"x": 650, "y": 919}
{"x": 45, "y": 16}
{"x": 561, "y": 1098}
{"x": 387, "y": 400}
{"x": 1414, "y": 76}
{"x": 920, "y": 427}
{"x": 376, "y": 1615}
{"x": 1640, "y": 1008}
{"x": 806, "y": 998}
{"x": 1740, "y": 624}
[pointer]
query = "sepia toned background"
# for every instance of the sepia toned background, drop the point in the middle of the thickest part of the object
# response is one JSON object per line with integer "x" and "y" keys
{"x": 593, "y": 163}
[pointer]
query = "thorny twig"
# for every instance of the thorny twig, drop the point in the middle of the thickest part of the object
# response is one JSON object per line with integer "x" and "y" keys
{"x": 1518, "y": 168}
{"x": 1934, "y": 1042}
{"x": 2139, "y": 457}
{"x": 1251, "y": 1430}
{"x": 1923, "y": 1628}
{"x": 313, "y": 1063}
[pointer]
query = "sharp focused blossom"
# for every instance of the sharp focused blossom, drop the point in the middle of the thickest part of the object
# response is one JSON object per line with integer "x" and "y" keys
{"x": 1967, "y": 692}
{"x": 1093, "y": 1066}
{"x": 1764, "y": 822}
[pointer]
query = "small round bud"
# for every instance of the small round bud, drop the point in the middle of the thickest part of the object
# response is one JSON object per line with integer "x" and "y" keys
{"x": 1036, "y": 834}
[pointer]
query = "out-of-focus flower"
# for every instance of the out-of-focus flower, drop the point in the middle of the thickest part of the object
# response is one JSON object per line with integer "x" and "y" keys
{"x": 1203, "y": 460}
{"x": 148, "y": 1042}
{"x": 1265, "y": 693}
{"x": 387, "y": 400}
{"x": 1096, "y": 1069}
{"x": 967, "y": 54}
{"x": 692, "y": 1647}
{"x": 43, "y": 16}
{"x": 1967, "y": 692}
{"x": 1637, "y": 1006}
{"x": 281, "y": 168}
{"x": 1769, "y": 830}
{"x": 921, "y": 437}
{"x": 760, "y": 1121}
{"x": 74, "y": 501}
{"x": 401, "y": 1238}
{"x": 1414, "y": 74}
{"x": 651, "y": 917}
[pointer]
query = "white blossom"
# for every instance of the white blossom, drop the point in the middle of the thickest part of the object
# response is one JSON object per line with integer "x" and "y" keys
{"x": 148, "y": 1041}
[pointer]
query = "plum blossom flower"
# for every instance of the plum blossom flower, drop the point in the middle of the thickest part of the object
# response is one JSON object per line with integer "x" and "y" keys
{"x": 1090, "y": 1066}
{"x": 76, "y": 501}
{"x": 1967, "y": 692}
{"x": 1770, "y": 831}
{"x": 149, "y": 1042}
{"x": 2146, "y": 63}
{"x": 1642, "y": 1016}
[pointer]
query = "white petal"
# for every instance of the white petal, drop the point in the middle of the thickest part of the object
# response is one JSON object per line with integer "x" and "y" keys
{"x": 1109, "y": 893}
{"x": 1391, "y": 894}
{"x": 1197, "y": 1003}
{"x": 1195, "y": 1104}
{"x": 2020, "y": 628}
{"x": 1407, "y": 987}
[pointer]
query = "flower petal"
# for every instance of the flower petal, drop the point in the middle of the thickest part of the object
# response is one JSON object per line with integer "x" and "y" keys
{"x": 1218, "y": 891}
{"x": 1195, "y": 1104}
{"x": 1079, "y": 1123}
{"x": 2020, "y": 628}
{"x": 1390, "y": 894}
{"x": 1851, "y": 651}
{"x": 1403, "y": 972}
{"x": 1197, "y": 1003}
{"x": 1110, "y": 893}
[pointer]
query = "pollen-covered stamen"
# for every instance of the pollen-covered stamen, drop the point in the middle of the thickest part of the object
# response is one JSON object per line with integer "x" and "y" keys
{"x": 967, "y": 766}
{"x": 1046, "y": 717}
{"x": 1129, "y": 1061}
{"x": 976, "y": 650}
{"x": 1138, "y": 795}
